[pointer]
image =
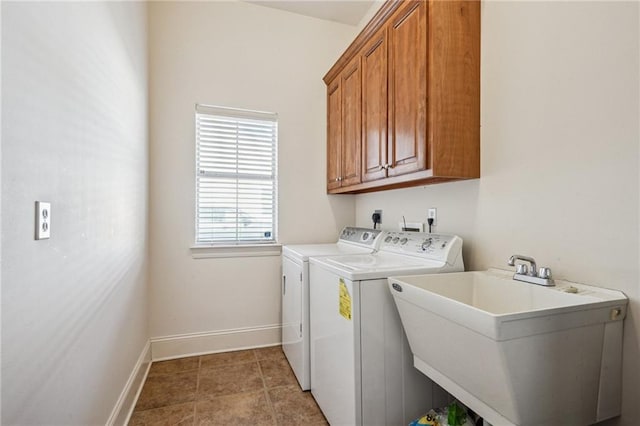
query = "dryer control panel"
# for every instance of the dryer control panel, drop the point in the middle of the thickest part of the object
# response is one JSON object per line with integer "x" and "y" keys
{"x": 440, "y": 247}
{"x": 362, "y": 236}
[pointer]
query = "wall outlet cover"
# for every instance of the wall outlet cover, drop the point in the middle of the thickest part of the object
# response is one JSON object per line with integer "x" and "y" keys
{"x": 432, "y": 213}
{"x": 380, "y": 213}
{"x": 43, "y": 220}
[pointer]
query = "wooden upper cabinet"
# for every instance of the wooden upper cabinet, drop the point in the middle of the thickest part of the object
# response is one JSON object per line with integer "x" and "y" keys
{"x": 454, "y": 88}
{"x": 407, "y": 148}
{"x": 344, "y": 128}
{"x": 404, "y": 99}
{"x": 334, "y": 134}
{"x": 374, "y": 107}
{"x": 351, "y": 123}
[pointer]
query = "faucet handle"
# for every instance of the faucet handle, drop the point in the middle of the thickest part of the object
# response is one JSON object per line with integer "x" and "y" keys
{"x": 544, "y": 272}
{"x": 522, "y": 269}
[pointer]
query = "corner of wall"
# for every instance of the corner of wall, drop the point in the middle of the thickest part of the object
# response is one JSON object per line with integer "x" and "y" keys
{"x": 375, "y": 6}
{"x": 129, "y": 396}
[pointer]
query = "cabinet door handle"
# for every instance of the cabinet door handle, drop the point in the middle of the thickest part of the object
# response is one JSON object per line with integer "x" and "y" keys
{"x": 284, "y": 284}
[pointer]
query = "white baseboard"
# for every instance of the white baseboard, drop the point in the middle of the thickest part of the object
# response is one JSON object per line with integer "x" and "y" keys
{"x": 126, "y": 402}
{"x": 193, "y": 344}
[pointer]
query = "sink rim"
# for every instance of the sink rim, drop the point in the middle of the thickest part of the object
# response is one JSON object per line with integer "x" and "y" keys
{"x": 509, "y": 325}
{"x": 596, "y": 295}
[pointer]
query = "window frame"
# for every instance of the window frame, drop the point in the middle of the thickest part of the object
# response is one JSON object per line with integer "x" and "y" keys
{"x": 237, "y": 247}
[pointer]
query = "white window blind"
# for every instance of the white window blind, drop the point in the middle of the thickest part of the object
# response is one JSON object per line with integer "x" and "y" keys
{"x": 235, "y": 176}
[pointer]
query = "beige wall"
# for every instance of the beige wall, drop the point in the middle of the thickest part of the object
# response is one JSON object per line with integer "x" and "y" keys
{"x": 560, "y": 157}
{"x": 560, "y": 154}
{"x": 74, "y": 133}
{"x": 375, "y": 6}
{"x": 244, "y": 56}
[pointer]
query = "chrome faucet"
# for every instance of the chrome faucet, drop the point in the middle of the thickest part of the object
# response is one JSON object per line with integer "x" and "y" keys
{"x": 530, "y": 274}
{"x": 522, "y": 269}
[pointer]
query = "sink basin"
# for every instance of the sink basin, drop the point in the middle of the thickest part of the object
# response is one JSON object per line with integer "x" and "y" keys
{"x": 515, "y": 352}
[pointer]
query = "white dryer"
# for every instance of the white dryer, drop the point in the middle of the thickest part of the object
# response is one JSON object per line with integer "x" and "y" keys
{"x": 361, "y": 365}
{"x": 295, "y": 291}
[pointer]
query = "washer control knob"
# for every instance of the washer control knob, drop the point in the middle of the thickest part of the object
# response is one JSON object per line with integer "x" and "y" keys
{"x": 395, "y": 240}
{"x": 386, "y": 240}
{"x": 365, "y": 236}
{"x": 426, "y": 244}
{"x": 403, "y": 241}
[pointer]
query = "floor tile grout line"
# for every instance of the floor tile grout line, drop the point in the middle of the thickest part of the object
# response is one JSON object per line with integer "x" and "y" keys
{"x": 195, "y": 397}
{"x": 274, "y": 415}
{"x": 266, "y": 394}
{"x": 170, "y": 373}
{"x": 231, "y": 364}
{"x": 162, "y": 406}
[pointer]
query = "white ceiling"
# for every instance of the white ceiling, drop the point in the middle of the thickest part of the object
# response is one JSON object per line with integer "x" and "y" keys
{"x": 345, "y": 11}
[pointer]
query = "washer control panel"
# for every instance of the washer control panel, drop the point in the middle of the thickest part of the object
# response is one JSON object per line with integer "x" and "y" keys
{"x": 440, "y": 247}
{"x": 361, "y": 236}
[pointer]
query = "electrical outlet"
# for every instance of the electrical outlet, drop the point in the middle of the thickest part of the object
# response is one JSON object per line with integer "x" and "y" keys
{"x": 380, "y": 213}
{"x": 433, "y": 214}
{"x": 43, "y": 220}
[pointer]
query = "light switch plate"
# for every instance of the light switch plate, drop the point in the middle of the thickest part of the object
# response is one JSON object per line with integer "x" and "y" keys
{"x": 43, "y": 220}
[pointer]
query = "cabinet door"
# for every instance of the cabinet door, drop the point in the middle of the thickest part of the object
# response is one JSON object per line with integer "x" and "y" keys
{"x": 374, "y": 107}
{"x": 407, "y": 147}
{"x": 334, "y": 134}
{"x": 351, "y": 124}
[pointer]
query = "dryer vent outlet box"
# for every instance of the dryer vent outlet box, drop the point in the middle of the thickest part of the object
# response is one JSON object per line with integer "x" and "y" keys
{"x": 411, "y": 226}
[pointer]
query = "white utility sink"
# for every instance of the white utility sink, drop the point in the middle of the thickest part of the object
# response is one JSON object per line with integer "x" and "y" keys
{"x": 514, "y": 352}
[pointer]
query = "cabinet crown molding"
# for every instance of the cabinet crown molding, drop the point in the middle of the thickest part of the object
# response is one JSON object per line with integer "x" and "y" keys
{"x": 377, "y": 22}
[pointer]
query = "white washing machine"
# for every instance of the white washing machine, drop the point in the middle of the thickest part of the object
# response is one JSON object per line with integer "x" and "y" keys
{"x": 361, "y": 365}
{"x": 295, "y": 291}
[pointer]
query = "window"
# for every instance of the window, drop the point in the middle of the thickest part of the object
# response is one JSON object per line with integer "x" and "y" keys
{"x": 235, "y": 176}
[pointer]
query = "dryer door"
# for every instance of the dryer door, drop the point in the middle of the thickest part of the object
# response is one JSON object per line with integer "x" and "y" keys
{"x": 292, "y": 342}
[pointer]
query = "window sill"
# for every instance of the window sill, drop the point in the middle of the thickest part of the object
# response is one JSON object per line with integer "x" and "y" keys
{"x": 244, "y": 250}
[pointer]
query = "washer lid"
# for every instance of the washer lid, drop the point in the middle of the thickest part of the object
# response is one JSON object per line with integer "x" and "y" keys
{"x": 379, "y": 265}
{"x": 301, "y": 252}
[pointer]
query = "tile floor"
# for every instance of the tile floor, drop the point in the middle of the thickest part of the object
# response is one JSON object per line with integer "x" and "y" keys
{"x": 252, "y": 387}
